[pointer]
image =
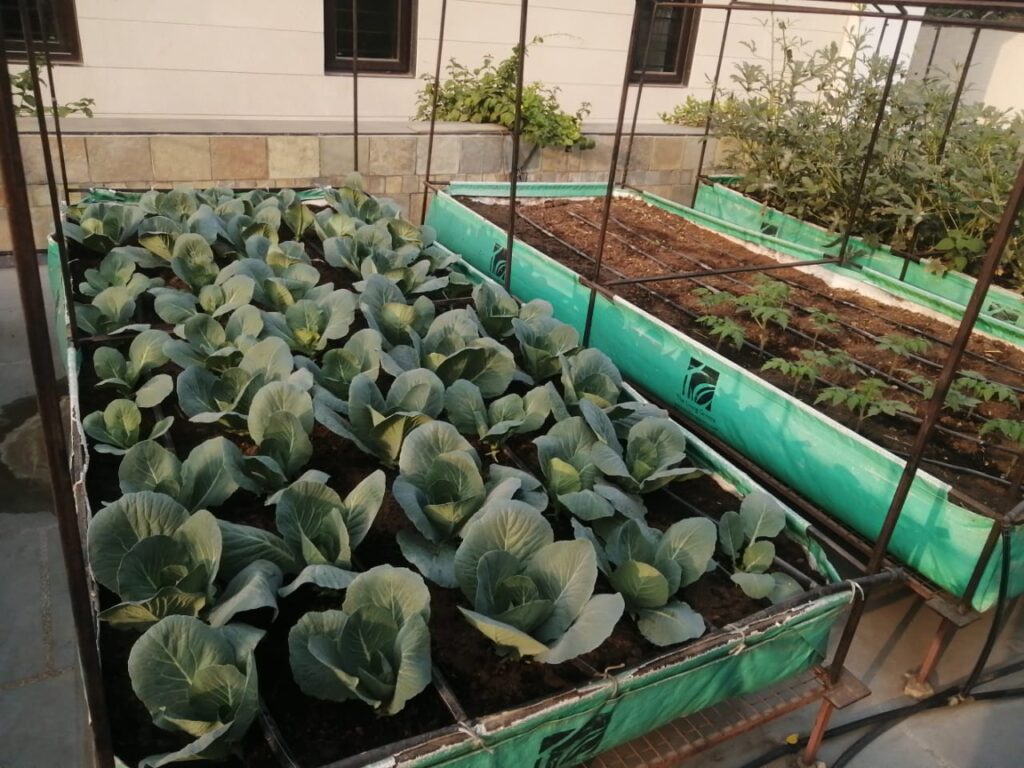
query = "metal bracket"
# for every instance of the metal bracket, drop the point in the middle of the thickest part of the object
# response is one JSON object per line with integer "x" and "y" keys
{"x": 848, "y": 690}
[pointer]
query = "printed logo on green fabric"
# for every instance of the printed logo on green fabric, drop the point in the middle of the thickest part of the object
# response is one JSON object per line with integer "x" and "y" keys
{"x": 573, "y": 746}
{"x": 498, "y": 261}
{"x": 700, "y": 383}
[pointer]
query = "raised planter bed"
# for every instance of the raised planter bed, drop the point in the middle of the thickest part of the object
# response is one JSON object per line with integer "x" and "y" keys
{"x": 476, "y": 708}
{"x": 852, "y": 477}
{"x": 726, "y": 210}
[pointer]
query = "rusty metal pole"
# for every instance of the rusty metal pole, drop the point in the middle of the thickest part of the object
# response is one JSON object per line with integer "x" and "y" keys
{"x": 869, "y": 154}
{"x": 44, "y": 29}
{"x": 44, "y": 375}
{"x": 610, "y": 190}
{"x": 355, "y": 85}
{"x": 958, "y": 94}
{"x": 639, "y": 92}
{"x": 51, "y": 181}
{"x": 934, "y": 409}
{"x": 711, "y": 110}
{"x": 517, "y": 127}
{"x": 433, "y": 112}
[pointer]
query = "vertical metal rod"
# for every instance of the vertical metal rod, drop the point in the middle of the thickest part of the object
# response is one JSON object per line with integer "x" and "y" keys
{"x": 869, "y": 154}
{"x": 513, "y": 188}
{"x": 37, "y": 333}
{"x": 958, "y": 94}
{"x": 932, "y": 412}
{"x": 610, "y": 191}
{"x": 44, "y": 30}
{"x": 881, "y": 37}
{"x": 51, "y": 181}
{"x": 711, "y": 110}
{"x": 931, "y": 52}
{"x": 639, "y": 93}
{"x": 355, "y": 85}
{"x": 433, "y": 111}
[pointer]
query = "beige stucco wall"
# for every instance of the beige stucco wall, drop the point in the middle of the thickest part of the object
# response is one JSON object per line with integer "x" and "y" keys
{"x": 243, "y": 59}
{"x": 994, "y": 77}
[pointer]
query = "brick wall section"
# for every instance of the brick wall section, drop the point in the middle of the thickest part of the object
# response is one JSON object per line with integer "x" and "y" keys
{"x": 392, "y": 165}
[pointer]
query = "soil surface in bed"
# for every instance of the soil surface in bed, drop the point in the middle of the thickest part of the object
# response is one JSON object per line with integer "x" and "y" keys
{"x": 644, "y": 240}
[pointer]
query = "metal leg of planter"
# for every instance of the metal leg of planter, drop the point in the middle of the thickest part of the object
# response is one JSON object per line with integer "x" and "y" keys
{"x": 37, "y": 333}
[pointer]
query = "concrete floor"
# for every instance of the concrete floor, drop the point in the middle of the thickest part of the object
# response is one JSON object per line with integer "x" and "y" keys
{"x": 42, "y": 718}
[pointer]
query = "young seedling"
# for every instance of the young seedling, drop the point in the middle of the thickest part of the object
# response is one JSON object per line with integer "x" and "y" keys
{"x": 723, "y": 329}
{"x": 865, "y": 399}
{"x": 711, "y": 298}
{"x": 902, "y": 346}
{"x": 1009, "y": 429}
{"x": 764, "y": 305}
{"x": 808, "y": 366}
{"x": 841, "y": 360}
{"x": 967, "y": 392}
{"x": 822, "y": 322}
{"x": 986, "y": 389}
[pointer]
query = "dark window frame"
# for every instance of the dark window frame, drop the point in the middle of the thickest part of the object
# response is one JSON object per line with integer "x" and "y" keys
{"x": 67, "y": 49}
{"x": 402, "y": 66}
{"x": 687, "y": 45}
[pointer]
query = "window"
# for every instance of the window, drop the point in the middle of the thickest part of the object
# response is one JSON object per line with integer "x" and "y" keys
{"x": 61, "y": 26}
{"x": 672, "y": 40}
{"x": 386, "y": 31}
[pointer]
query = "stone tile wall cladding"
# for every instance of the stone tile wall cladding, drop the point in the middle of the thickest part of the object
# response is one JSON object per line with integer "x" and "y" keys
{"x": 392, "y": 165}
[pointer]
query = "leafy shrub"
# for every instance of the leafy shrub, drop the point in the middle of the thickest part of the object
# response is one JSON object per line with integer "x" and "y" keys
{"x": 798, "y": 125}
{"x": 487, "y": 94}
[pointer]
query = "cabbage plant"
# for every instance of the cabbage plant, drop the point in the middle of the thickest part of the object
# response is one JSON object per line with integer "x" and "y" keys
{"x": 207, "y": 344}
{"x": 157, "y": 558}
{"x": 117, "y": 269}
{"x": 309, "y": 325}
{"x": 199, "y": 680}
{"x": 103, "y": 226}
{"x": 440, "y": 488}
{"x": 744, "y": 538}
{"x": 375, "y": 649}
{"x": 532, "y": 596}
{"x": 454, "y": 349}
{"x": 648, "y": 567}
{"x": 280, "y": 421}
{"x": 127, "y": 375}
{"x": 207, "y": 477}
{"x": 361, "y": 353}
{"x": 567, "y": 461}
{"x": 110, "y": 311}
{"x": 590, "y": 375}
{"x": 206, "y": 396}
{"x": 654, "y": 449}
{"x": 221, "y": 298}
{"x": 543, "y": 343}
{"x": 378, "y": 424}
{"x": 502, "y": 418}
{"x": 192, "y": 261}
{"x": 318, "y": 533}
{"x": 388, "y": 311}
{"x": 118, "y": 427}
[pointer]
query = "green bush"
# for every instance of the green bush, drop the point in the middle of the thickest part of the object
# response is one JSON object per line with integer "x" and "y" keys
{"x": 487, "y": 94}
{"x": 798, "y": 128}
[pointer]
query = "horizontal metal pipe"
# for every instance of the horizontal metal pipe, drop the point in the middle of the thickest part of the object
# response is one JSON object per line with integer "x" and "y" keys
{"x": 723, "y": 271}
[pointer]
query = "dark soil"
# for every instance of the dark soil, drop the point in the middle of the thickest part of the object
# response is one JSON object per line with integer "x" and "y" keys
{"x": 645, "y": 241}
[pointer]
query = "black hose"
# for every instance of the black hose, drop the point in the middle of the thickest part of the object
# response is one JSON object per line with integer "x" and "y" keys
{"x": 883, "y": 721}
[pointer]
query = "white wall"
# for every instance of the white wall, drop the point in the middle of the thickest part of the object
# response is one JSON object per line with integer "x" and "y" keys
{"x": 995, "y": 67}
{"x": 243, "y": 59}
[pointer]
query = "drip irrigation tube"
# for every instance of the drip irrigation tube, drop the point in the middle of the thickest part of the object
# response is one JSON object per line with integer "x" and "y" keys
{"x": 881, "y": 722}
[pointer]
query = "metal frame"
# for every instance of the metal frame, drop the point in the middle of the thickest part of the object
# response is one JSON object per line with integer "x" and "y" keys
{"x": 45, "y": 375}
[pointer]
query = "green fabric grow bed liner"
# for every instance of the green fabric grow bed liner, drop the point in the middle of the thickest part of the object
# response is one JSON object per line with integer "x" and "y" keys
{"x": 732, "y": 213}
{"x": 840, "y": 471}
{"x": 772, "y": 646}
